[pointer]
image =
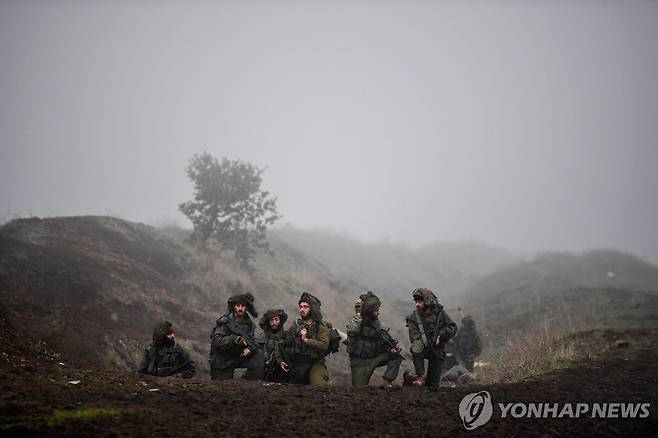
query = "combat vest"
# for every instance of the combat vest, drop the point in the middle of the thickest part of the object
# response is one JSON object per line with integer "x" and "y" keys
{"x": 368, "y": 342}
{"x": 164, "y": 357}
{"x": 302, "y": 353}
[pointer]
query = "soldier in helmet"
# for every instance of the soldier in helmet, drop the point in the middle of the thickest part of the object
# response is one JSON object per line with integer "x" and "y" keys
{"x": 232, "y": 341}
{"x": 302, "y": 352}
{"x": 430, "y": 328}
{"x": 369, "y": 344}
{"x": 467, "y": 342}
{"x": 164, "y": 357}
{"x": 272, "y": 324}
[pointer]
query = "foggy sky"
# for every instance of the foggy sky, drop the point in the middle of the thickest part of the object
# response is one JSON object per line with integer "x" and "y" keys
{"x": 527, "y": 125}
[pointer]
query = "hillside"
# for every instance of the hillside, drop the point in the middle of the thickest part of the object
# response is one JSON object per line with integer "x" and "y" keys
{"x": 93, "y": 287}
{"x": 43, "y": 394}
{"x": 597, "y": 289}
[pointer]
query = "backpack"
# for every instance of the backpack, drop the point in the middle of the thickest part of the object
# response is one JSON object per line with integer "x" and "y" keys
{"x": 334, "y": 336}
{"x": 334, "y": 339}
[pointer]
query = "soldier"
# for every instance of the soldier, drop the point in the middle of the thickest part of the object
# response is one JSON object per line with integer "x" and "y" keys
{"x": 467, "y": 341}
{"x": 306, "y": 344}
{"x": 232, "y": 341}
{"x": 369, "y": 344}
{"x": 430, "y": 328}
{"x": 164, "y": 357}
{"x": 272, "y": 324}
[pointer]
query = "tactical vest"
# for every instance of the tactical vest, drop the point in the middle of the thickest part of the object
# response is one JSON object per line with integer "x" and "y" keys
{"x": 302, "y": 353}
{"x": 271, "y": 341}
{"x": 367, "y": 343}
{"x": 165, "y": 357}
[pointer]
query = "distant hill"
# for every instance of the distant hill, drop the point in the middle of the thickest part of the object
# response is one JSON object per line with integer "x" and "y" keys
{"x": 597, "y": 289}
{"x": 448, "y": 268}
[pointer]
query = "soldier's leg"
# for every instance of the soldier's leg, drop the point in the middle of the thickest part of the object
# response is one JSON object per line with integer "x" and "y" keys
{"x": 434, "y": 366}
{"x": 419, "y": 363}
{"x": 361, "y": 371}
{"x": 255, "y": 365}
{"x": 225, "y": 374}
{"x": 392, "y": 367}
{"x": 318, "y": 375}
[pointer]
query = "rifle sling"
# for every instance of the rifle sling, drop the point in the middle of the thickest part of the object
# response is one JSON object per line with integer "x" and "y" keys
{"x": 421, "y": 328}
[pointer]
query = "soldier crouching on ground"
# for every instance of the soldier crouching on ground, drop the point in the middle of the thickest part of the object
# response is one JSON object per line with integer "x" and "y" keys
{"x": 164, "y": 357}
{"x": 302, "y": 352}
{"x": 430, "y": 328}
{"x": 370, "y": 346}
{"x": 232, "y": 341}
{"x": 272, "y": 324}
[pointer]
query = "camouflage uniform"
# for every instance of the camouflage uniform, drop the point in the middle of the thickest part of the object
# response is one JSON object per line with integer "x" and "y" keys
{"x": 308, "y": 363}
{"x": 164, "y": 357}
{"x": 270, "y": 340}
{"x": 366, "y": 347}
{"x": 468, "y": 343}
{"x": 432, "y": 315}
{"x": 226, "y": 349}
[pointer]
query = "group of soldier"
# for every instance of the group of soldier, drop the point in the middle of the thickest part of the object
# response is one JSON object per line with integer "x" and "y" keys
{"x": 297, "y": 354}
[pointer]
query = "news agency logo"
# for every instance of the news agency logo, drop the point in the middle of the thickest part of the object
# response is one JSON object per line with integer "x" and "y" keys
{"x": 476, "y": 409}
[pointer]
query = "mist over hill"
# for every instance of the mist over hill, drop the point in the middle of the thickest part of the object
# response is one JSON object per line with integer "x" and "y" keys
{"x": 93, "y": 287}
{"x": 566, "y": 292}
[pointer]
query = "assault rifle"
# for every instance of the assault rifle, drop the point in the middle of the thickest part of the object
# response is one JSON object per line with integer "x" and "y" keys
{"x": 170, "y": 371}
{"x": 390, "y": 341}
{"x": 272, "y": 363}
{"x": 236, "y": 329}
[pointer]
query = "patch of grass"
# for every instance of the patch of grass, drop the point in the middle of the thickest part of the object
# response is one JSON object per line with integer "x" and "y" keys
{"x": 61, "y": 416}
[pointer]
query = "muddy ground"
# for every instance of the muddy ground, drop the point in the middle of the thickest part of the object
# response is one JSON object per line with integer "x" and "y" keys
{"x": 36, "y": 399}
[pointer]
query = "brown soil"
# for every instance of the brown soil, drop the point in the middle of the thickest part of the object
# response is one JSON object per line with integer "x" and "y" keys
{"x": 35, "y": 394}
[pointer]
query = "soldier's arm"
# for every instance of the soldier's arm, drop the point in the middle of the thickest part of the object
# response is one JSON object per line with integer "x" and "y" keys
{"x": 320, "y": 344}
{"x": 449, "y": 328}
{"x": 222, "y": 339}
{"x": 354, "y": 326}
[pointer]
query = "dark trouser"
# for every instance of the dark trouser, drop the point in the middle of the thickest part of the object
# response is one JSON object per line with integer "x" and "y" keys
{"x": 255, "y": 365}
{"x": 434, "y": 365}
{"x": 278, "y": 375}
{"x": 362, "y": 368}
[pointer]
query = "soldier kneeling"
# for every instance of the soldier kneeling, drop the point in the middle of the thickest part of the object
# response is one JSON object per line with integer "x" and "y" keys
{"x": 370, "y": 346}
{"x": 164, "y": 357}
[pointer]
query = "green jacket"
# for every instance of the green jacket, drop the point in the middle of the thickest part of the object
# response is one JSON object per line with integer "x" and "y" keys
{"x": 301, "y": 353}
{"x": 364, "y": 338}
{"x": 433, "y": 315}
{"x": 268, "y": 341}
{"x": 224, "y": 352}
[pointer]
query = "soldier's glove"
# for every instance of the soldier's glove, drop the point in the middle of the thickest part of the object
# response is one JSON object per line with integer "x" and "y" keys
{"x": 239, "y": 340}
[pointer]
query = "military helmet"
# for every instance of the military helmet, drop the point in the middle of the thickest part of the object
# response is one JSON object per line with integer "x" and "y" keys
{"x": 161, "y": 331}
{"x": 314, "y": 303}
{"x": 264, "y": 322}
{"x": 370, "y": 303}
{"x": 425, "y": 295}
{"x": 247, "y": 299}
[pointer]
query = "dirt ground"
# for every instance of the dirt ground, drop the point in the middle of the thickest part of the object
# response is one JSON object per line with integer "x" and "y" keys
{"x": 36, "y": 399}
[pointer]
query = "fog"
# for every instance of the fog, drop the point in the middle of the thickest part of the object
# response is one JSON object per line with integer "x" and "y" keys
{"x": 527, "y": 125}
